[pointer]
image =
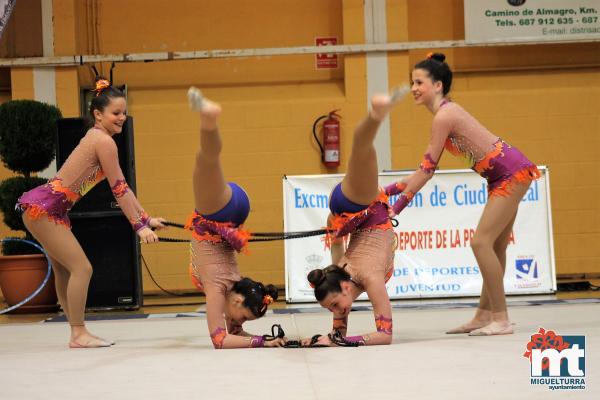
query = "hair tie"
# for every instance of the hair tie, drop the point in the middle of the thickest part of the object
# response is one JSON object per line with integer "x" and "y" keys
{"x": 430, "y": 55}
{"x": 267, "y": 299}
{"x": 101, "y": 84}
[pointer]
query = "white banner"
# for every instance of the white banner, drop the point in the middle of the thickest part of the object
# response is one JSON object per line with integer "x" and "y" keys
{"x": 531, "y": 20}
{"x": 434, "y": 258}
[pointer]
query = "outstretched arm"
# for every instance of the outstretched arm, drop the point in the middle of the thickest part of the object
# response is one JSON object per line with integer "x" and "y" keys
{"x": 382, "y": 310}
{"x": 106, "y": 151}
{"x": 409, "y": 186}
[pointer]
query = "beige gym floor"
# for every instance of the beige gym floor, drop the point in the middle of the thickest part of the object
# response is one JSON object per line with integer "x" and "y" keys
{"x": 164, "y": 357}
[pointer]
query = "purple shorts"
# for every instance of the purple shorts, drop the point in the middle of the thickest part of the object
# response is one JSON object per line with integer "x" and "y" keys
{"x": 339, "y": 203}
{"x": 236, "y": 210}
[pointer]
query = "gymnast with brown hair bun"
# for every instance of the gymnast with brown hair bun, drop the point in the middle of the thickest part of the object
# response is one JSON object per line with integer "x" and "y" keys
{"x": 45, "y": 208}
{"x": 220, "y": 210}
{"x": 359, "y": 210}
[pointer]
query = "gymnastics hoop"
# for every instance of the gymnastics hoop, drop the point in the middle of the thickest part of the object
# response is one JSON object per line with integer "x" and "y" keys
{"x": 39, "y": 289}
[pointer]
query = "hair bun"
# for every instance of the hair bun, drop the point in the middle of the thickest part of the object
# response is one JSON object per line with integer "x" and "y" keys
{"x": 271, "y": 292}
{"x": 436, "y": 56}
{"x": 316, "y": 277}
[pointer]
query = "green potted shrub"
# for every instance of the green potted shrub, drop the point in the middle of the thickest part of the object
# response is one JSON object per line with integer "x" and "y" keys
{"x": 27, "y": 145}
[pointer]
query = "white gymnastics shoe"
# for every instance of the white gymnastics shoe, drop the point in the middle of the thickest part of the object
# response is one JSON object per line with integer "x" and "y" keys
{"x": 195, "y": 98}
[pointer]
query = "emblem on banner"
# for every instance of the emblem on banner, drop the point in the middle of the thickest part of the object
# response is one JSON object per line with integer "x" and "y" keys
{"x": 557, "y": 361}
{"x": 527, "y": 272}
{"x": 516, "y": 3}
{"x": 314, "y": 261}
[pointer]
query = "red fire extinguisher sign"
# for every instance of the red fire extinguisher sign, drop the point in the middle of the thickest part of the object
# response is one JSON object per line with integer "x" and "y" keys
{"x": 326, "y": 60}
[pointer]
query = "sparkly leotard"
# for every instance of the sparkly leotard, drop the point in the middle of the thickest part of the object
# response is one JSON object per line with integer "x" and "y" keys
{"x": 94, "y": 159}
{"x": 213, "y": 266}
{"x": 368, "y": 253}
{"x": 371, "y": 241}
{"x": 461, "y": 134}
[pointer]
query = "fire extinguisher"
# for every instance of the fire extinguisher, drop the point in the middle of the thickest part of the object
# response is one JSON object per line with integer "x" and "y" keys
{"x": 330, "y": 147}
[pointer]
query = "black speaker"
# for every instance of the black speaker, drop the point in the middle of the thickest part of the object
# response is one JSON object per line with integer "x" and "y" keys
{"x": 114, "y": 252}
{"x": 100, "y": 198}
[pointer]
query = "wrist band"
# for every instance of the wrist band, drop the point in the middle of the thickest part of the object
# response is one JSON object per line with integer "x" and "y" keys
{"x": 142, "y": 221}
{"x": 257, "y": 341}
{"x": 355, "y": 339}
{"x": 402, "y": 202}
{"x": 395, "y": 188}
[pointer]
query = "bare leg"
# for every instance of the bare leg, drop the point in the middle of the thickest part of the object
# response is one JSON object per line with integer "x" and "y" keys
{"x": 61, "y": 281}
{"x": 483, "y": 315}
{"x": 500, "y": 249}
{"x": 62, "y": 247}
{"x": 497, "y": 216}
{"x": 360, "y": 184}
{"x": 211, "y": 192}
